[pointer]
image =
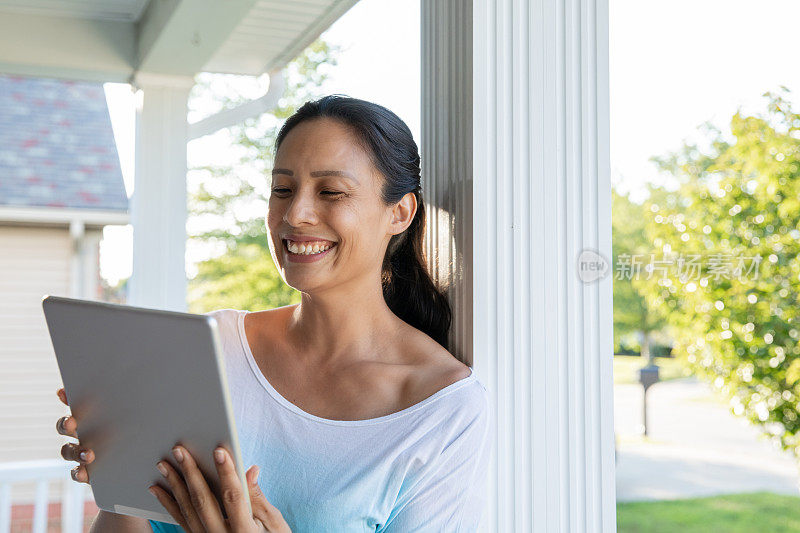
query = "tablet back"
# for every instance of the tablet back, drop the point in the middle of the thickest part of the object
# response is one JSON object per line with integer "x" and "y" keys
{"x": 138, "y": 381}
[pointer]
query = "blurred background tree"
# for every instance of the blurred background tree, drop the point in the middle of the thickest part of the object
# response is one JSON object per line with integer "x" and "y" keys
{"x": 737, "y": 208}
{"x": 635, "y": 322}
{"x": 231, "y": 201}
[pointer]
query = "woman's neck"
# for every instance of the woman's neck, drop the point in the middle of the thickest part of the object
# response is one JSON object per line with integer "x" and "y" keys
{"x": 333, "y": 328}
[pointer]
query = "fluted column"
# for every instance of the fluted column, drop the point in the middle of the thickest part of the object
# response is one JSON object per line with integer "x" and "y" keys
{"x": 515, "y": 143}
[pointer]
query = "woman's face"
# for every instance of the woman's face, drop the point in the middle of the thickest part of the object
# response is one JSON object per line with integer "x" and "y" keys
{"x": 325, "y": 187}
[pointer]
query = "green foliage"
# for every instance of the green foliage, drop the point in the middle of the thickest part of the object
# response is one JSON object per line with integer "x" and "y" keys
{"x": 632, "y": 315}
{"x": 243, "y": 278}
{"x": 736, "y": 320}
{"x": 230, "y": 202}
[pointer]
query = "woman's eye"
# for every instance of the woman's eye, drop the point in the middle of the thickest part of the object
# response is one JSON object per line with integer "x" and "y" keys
{"x": 284, "y": 190}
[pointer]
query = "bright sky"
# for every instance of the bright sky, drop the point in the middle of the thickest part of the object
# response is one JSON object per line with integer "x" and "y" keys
{"x": 674, "y": 65}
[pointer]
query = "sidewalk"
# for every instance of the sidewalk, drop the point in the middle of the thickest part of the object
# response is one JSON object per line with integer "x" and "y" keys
{"x": 695, "y": 446}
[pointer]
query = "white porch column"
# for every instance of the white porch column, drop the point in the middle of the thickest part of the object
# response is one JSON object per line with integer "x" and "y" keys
{"x": 515, "y": 146}
{"x": 158, "y": 204}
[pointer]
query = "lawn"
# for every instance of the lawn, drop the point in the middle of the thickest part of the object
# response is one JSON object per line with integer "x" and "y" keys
{"x": 736, "y": 513}
{"x": 626, "y": 368}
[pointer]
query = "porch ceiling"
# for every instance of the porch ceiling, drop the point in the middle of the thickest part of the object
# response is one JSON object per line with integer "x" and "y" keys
{"x": 111, "y": 40}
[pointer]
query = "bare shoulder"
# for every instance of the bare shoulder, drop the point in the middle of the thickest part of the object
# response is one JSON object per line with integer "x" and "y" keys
{"x": 273, "y": 313}
{"x": 262, "y": 322}
{"x": 433, "y": 367}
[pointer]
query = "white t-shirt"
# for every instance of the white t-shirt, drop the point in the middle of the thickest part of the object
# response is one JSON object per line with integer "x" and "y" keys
{"x": 423, "y": 468}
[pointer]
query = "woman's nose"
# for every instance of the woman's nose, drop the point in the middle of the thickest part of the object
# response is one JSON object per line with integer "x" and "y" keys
{"x": 301, "y": 210}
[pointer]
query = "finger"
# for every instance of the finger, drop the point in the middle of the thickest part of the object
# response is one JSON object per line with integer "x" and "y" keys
{"x": 203, "y": 500}
{"x": 263, "y": 510}
{"x": 169, "y": 503}
{"x": 62, "y": 395}
{"x": 66, "y": 425}
{"x": 251, "y": 475}
{"x": 261, "y": 507}
{"x": 79, "y": 474}
{"x": 181, "y": 495}
{"x": 201, "y": 497}
{"x": 75, "y": 452}
{"x": 233, "y": 496}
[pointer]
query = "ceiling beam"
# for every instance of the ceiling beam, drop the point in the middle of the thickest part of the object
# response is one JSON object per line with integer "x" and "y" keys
{"x": 179, "y": 37}
{"x": 176, "y": 37}
{"x": 172, "y": 37}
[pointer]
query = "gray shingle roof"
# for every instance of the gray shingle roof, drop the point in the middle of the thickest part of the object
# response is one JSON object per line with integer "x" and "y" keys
{"x": 56, "y": 146}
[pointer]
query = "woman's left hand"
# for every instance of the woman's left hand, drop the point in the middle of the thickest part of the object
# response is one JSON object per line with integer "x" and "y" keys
{"x": 196, "y": 508}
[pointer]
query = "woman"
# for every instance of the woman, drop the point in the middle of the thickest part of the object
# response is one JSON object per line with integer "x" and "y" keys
{"x": 349, "y": 402}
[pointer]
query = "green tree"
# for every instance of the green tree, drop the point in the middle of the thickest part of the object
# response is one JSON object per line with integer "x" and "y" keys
{"x": 232, "y": 200}
{"x": 736, "y": 214}
{"x": 632, "y": 314}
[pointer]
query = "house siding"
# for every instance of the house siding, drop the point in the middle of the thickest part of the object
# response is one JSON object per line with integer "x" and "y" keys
{"x": 34, "y": 261}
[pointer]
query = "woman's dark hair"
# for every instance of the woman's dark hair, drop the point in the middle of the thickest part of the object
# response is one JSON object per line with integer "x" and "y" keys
{"x": 408, "y": 288}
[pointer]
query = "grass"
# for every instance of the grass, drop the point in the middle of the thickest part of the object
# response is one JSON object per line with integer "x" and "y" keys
{"x": 626, "y": 368}
{"x": 734, "y": 513}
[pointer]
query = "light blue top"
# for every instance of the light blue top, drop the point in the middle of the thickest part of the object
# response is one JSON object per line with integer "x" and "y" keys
{"x": 423, "y": 468}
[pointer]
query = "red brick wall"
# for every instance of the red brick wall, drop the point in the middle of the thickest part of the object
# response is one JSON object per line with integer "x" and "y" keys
{"x": 22, "y": 517}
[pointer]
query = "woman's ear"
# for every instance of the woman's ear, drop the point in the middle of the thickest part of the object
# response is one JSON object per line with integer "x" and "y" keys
{"x": 403, "y": 213}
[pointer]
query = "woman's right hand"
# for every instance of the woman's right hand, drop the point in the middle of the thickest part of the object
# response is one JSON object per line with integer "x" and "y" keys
{"x": 66, "y": 425}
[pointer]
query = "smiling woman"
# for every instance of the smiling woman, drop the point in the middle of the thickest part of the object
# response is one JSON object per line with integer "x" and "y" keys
{"x": 351, "y": 405}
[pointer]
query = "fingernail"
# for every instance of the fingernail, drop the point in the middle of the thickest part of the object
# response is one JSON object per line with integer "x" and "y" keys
{"x": 151, "y": 491}
{"x": 178, "y": 454}
{"x": 162, "y": 469}
{"x": 83, "y": 456}
{"x": 219, "y": 455}
{"x": 258, "y": 471}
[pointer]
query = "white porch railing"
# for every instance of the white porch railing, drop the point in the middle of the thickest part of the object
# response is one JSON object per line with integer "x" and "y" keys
{"x": 42, "y": 472}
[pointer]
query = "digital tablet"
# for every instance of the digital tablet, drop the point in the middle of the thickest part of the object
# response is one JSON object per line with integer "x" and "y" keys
{"x": 138, "y": 381}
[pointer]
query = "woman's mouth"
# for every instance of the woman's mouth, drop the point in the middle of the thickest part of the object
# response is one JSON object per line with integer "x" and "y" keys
{"x": 306, "y": 252}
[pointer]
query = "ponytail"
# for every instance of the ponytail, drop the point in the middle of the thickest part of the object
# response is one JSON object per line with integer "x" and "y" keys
{"x": 408, "y": 288}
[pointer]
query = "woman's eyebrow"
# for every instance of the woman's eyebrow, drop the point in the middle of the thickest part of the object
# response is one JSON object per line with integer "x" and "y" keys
{"x": 317, "y": 173}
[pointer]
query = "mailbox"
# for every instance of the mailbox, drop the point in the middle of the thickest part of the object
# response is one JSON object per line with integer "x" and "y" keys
{"x": 648, "y": 375}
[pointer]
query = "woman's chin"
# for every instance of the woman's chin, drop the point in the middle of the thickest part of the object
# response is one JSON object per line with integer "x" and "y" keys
{"x": 301, "y": 279}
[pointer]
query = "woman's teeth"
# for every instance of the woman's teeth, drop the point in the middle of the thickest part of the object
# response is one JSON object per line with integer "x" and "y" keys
{"x": 308, "y": 248}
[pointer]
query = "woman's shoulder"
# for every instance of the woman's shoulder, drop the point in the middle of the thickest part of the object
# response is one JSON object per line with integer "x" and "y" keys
{"x": 223, "y": 312}
{"x": 430, "y": 377}
{"x": 442, "y": 374}
{"x": 227, "y": 320}
{"x": 263, "y": 312}
{"x": 230, "y": 316}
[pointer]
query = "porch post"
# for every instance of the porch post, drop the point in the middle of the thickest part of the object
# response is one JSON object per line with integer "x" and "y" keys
{"x": 515, "y": 142}
{"x": 158, "y": 204}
